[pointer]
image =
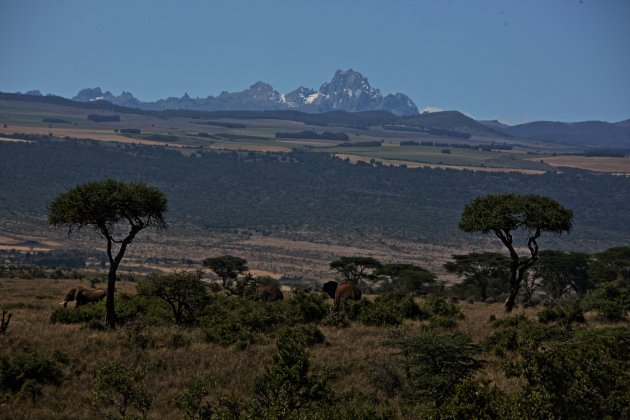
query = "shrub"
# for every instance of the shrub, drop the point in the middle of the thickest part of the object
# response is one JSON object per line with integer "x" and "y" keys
{"x": 476, "y": 400}
{"x": 193, "y": 402}
{"x": 582, "y": 377}
{"x": 438, "y": 306}
{"x": 288, "y": 385}
{"x": 27, "y": 370}
{"x": 116, "y": 385}
{"x": 306, "y": 307}
{"x": 565, "y": 316}
{"x": 435, "y": 363}
{"x": 611, "y": 301}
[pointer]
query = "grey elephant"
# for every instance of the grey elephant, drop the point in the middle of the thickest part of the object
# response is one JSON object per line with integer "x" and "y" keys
{"x": 84, "y": 296}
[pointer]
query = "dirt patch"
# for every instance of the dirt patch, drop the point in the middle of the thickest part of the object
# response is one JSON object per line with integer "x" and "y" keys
{"x": 410, "y": 164}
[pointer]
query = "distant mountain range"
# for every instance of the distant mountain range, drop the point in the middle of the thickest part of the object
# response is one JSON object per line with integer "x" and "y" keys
{"x": 590, "y": 134}
{"x": 347, "y": 91}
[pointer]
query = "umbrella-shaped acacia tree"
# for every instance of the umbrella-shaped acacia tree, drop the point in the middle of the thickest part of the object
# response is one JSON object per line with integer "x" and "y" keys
{"x": 116, "y": 211}
{"x": 503, "y": 214}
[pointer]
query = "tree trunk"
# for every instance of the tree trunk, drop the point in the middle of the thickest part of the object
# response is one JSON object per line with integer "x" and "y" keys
{"x": 110, "y": 319}
{"x": 513, "y": 286}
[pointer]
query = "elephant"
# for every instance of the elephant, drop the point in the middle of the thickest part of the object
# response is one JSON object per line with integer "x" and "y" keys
{"x": 84, "y": 296}
{"x": 269, "y": 292}
{"x": 341, "y": 292}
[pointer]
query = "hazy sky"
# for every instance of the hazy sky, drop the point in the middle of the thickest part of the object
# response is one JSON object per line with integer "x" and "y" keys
{"x": 513, "y": 60}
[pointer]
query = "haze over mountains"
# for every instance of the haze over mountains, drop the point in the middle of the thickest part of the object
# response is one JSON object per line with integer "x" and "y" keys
{"x": 347, "y": 91}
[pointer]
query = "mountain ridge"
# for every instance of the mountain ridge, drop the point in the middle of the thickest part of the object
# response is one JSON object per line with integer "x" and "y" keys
{"x": 348, "y": 91}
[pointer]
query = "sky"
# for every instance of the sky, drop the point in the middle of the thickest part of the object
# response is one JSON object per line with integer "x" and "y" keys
{"x": 512, "y": 60}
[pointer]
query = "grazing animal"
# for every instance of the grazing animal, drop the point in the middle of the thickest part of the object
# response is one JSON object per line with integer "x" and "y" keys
{"x": 341, "y": 292}
{"x": 269, "y": 292}
{"x": 84, "y": 296}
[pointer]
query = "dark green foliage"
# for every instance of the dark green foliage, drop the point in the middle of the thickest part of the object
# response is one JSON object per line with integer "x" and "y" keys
{"x": 79, "y": 315}
{"x": 562, "y": 271}
{"x": 237, "y": 320}
{"x": 103, "y": 118}
{"x": 585, "y": 377}
{"x": 28, "y": 368}
{"x": 473, "y": 399}
{"x": 227, "y": 267}
{"x": 327, "y": 192}
{"x": 435, "y": 363}
{"x": 184, "y": 292}
{"x": 515, "y": 333}
{"x": 387, "y": 309}
{"x": 611, "y": 300}
{"x": 116, "y": 390}
{"x": 612, "y": 264}
{"x": 405, "y": 277}
{"x": 355, "y": 269}
{"x": 305, "y": 307}
{"x": 130, "y": 131}
{"x": 438, "y": 306}
{"x": 487, "y": 272}
{"x": 288, "y": 384}
{"x": 311, "y": 134}
{"x": 130, "y": 307}
{"x": 193, "y": 403}
{"x": 565, "y": 316}
{"x": 161, "y": 137}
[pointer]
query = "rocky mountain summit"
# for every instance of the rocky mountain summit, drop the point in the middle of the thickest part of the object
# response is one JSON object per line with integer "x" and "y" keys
{"x": 347, "y": 91}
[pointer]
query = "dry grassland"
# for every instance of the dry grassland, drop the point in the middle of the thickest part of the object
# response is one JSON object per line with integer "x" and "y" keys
{"x": 613, "y": 165}
{"x": 352, "y": 353}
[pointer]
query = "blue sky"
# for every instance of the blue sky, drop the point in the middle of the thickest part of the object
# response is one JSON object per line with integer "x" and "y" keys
{"x": 513, "y": 60}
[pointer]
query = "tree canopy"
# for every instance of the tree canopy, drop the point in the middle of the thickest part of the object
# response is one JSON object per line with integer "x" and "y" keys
{"x": 406, "y": 277}
{"x": 117, "y": 211}
{"x": 227, "y": 267}
{"x": 355, "y": 269}
{"x": 503, "y": 214}
{"x": 480, "y": 270}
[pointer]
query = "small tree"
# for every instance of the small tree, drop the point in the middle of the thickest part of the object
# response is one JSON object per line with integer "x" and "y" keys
{"x": 479, "y": 269}
{"x": 110, "y": 207}
{"x": 503, "y": 215}
{"x": 405, "y": 277}
{"x": 184, "y": 292}
{"x": 116, "y": 385}
{"x": 355, "y": 269}
{"x": 226, "y": 267}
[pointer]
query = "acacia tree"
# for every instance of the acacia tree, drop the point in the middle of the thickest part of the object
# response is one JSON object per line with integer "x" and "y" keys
{"x": 227, "y": 267}
{"x": 355, "y": 269}
{"x": 561, "y": 271}
{"x": 479, "y": 269}
{"x": 406, "y": 277}
{"x": 115, "y": 210}
{"x": 505, "y": 214}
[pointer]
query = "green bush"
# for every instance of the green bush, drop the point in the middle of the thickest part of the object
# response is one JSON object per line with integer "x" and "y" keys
{"x": 611, "y": 301}
{"x": 194, "y": 403}
{"x": 388, "y": 309}
{"x": 305, "y": 307}
{"x": 288, "y": 385}
{"x": 116, "y": 390}
{"x": 27, "y": 370}
{"x": 438, "y": 306}
{"x": 435, "y": 363}
{"x": 565, "y": 316}
{"x": 79, "y": 315}
{"x": 473, "y": 399}
{"x": 586, "y": 376}
{"x": 233, "y": 319}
